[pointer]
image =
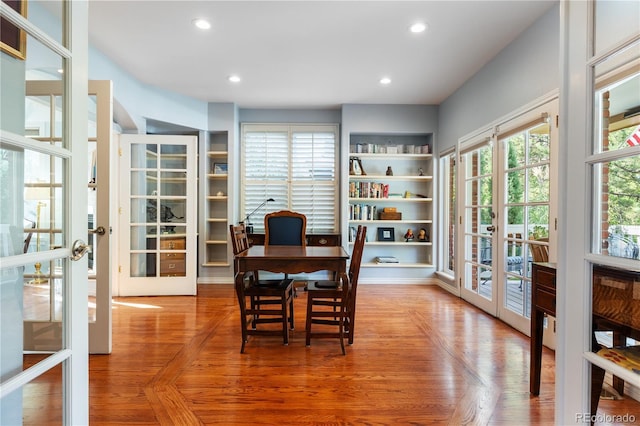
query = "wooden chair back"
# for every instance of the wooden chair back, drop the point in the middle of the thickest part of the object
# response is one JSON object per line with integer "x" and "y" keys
{"x": 285, "y": 228}
{"x": 354, "y": 273}
{"x": 333, "y": 303}
{"x": 239, "y": 238}
{"x": 540, "y": 252}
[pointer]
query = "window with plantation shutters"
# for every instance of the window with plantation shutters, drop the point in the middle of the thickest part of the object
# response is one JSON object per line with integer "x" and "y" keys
{"x": 296, "y": 166}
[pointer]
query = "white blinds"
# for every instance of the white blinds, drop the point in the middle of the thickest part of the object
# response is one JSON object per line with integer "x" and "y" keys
{"x": 296, "y": 166}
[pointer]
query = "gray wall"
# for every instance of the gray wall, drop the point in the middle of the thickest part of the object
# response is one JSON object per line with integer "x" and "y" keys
{"x": 525, "y": 70}
{"x": 325, "y": 116}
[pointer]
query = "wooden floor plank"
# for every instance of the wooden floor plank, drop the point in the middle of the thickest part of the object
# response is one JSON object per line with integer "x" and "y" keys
{"x": 421, "y": 356}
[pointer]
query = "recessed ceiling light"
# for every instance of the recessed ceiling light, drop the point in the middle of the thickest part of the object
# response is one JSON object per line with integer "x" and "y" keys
{"x": 234, "y": 78}
{"x": 418, "y": 27}
{"x": 385, "y": 80}
{"x": 203, "y": 24}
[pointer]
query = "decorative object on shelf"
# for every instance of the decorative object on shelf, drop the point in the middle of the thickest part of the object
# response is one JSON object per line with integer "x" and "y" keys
{"x": 408, "y": 236}
{"x": 422, "y": 235}
{"x": 219, "y": 194}
{"x": 248, "y": 226}
{"x": 220, "y": 169}
{"x": 386, "y": 234}
{"x": 420, "y": 172}
{"x": 390, "y": 213}
{"x": 389, "y": 171}
{"x": 355, "y": 167}
{"x": 386, "y": 259}
{"x": 408, "y": 194}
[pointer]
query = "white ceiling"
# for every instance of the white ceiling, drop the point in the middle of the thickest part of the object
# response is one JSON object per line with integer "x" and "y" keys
{"x": 307, "y": 54}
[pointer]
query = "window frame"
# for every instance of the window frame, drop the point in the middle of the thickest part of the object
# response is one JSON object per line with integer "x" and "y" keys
{"x": 600, "y": 157}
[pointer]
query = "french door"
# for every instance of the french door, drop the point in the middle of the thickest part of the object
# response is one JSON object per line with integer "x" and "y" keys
{"x": 43, "y": 192}
{"x": 41, "y": 325}
{"x": 508, "y": 193}
{"x": 158, "y": 215}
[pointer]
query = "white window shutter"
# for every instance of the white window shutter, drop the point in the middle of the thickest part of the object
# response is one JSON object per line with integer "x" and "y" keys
{"x": 294, "y": 165}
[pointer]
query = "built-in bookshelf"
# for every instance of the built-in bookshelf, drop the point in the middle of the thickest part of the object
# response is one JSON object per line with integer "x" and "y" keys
{"x": 216, "y": 203}
{"x": 390, "y": 191}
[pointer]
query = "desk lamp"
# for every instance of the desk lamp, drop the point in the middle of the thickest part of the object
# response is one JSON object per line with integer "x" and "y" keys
{"x": 248, "y": 225}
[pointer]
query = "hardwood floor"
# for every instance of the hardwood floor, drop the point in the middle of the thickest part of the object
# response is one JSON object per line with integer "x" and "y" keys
{"x": 421, "y": 356}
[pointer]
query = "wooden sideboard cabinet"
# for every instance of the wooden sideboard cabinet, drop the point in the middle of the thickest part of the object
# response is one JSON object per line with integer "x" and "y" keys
{"x": 312, "y": 239}
{"x": 173, "y": 264}
{"x": 543, "y": 301}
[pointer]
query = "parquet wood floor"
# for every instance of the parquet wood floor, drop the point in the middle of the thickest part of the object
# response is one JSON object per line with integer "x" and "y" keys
{"x": 421, "y": 356}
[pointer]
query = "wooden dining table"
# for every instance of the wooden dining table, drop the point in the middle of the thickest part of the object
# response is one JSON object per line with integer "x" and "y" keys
{"x": 291, "y": 260}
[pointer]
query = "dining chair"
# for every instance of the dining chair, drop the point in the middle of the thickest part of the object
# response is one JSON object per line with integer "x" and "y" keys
{"x": 269, "y": 301}
{"x": 285, "y": 228}
{"x": 332, "y": 303}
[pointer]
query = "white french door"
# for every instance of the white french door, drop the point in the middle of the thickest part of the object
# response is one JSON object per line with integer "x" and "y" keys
{"x": 478, "y": 221}
{"x": 44, "y": 197}
{"x": 41, "y": 324}
{"x": 507, "y": 202}
{"x": 158, "y": 203}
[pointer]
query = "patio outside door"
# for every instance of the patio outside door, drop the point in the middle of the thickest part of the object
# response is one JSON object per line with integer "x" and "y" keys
{"x": 506, "y": 192}
{"x": 478, "y": 219}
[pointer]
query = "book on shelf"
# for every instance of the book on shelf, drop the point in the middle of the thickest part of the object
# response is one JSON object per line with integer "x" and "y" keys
{"x": 386, "y": 259}
{"x": 368, "y": 190}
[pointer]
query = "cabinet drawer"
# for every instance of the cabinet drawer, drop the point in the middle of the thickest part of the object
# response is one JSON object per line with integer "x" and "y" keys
{"x": 546, "y": 301}
{"x": 173, "y": 243}
{"x": 172, "y": 264}
{"x": 323, "y": 240}
{"x": 546, "y": 279}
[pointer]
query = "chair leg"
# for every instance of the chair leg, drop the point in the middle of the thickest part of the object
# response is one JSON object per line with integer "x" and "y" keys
{"x": 285, "y": 322}
{"x": 308, "y": 323}
{"x": 291, "y": 313}
{"x": 341, "y": 332}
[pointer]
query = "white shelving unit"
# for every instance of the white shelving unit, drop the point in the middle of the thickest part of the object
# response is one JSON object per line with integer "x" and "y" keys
{"x": 409, "y": 190}
{"x": 216, "y": 204}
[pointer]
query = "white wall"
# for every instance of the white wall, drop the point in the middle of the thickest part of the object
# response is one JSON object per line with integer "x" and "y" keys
{"x": 143, "y": 102}
{"x": 525, "y": 70}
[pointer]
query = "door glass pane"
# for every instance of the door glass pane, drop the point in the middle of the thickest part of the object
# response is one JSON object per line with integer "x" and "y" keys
{"x": 43, "y": 114}
{"x": 515, "y": 185}
{"x": 42, "y": 397}
{"x": 173, "y": 157}
{"x": 538, "y": 147}
{"x": 538, "y": 183}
